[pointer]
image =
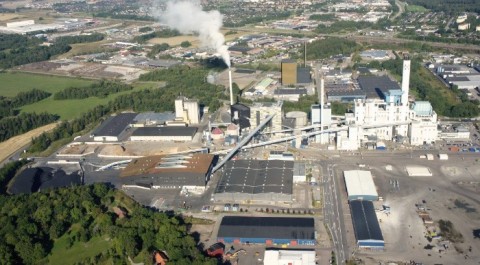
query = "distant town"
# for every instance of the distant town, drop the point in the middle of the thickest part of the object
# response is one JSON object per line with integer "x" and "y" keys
{"x": 240, "y": 132}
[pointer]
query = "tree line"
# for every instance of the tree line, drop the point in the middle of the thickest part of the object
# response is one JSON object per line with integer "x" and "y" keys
{"x": 16, "y": 125}
{"x": 166, "y": 33}
{"x": 448, "y": 6}
{"x": 31, "y": 224}
{"x": 80, "y": 38}
{"x": 181, "y": 80}
{"x": 156, "y": 49}
{"x": 7, "y": 172}
{"x": 325, "y": 48}
{"x": 8, "y": 105}
{"x": 16, "y": 49}
{"x": 99, "y": 89}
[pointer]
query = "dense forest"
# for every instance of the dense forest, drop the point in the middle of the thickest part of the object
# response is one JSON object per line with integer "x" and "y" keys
{"x": 16, "y": 49}
{"x": 181, "y": 80}
{"x": 99, "y": 89}
{"x": 15, "y": 125}
{"x": 166, "y": 33}
{"x": 38, "y": 228}
{"x": 448, "y": 6}
{"x": 8, "y": 105}
{"x": 325, "y": 48}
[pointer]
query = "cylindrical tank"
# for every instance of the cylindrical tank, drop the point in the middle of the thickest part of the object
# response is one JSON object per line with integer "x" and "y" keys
{"x": 299, "y": 116}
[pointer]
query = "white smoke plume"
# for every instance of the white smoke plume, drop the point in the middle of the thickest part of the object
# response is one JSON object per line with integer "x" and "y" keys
{"x": 188, "y": 17}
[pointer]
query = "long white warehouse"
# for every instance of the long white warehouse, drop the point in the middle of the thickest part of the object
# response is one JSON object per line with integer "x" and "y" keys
{"x": 360, "y": 185}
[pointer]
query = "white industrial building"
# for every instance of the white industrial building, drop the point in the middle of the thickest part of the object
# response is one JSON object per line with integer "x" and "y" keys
{"x": 390, "y": 118}
{"x": 260, "y": 110}
{"x": 187, "y": 110}
{"x": 289, "y": 257}
{"x": 299, "y": 172}
{"x": 28, "y": 27}
{"x": 360, "y": 185}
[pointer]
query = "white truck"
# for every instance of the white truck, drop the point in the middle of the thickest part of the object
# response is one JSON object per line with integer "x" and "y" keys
{"x": 443, "y": 156}
{"x": 430, "y": 157}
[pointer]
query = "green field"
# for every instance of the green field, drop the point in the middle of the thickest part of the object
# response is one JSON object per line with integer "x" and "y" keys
{"x": 72, "y": 108}
{"x": 62, "y": 255}
{"x": 13, "y": 82}
{"x": 415, "y": 8}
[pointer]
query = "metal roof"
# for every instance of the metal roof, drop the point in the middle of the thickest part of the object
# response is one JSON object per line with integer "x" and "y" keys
{"x": 159, "y": 117}
{"x": 165, "y": 131}
{"x": 376, "y": 86}
{"x": 365, "y": 222}
{"x": 359, "y": 183}
{"x": 290, "y": 91}
{"x": 195, "y": 163}
{"x": 267, "y": 227}
{"x": 256, "y": 176}
{"x": 303, "y": 75}
{"x": 115, "y": 125}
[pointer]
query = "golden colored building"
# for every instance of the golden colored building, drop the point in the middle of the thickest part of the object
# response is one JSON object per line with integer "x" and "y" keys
{"x": 289, "y": 72}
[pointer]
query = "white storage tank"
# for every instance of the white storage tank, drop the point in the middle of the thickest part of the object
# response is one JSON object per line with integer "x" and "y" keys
{"x": 299, "y": 116}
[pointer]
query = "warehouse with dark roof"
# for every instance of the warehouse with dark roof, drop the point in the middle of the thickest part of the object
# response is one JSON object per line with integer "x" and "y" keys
{"x": 376, "y": 86}
{"x": 42, "y": 178}
{"x": 112, "y": 129}
{"x": 366, "y": 226}
{"x": 174, "y": 133}
{"x": 267, "y": 230}
{"x": 256, "y": 180}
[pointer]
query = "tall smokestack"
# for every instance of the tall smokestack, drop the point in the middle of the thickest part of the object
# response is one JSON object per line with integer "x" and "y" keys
{"x": 230, "y": 84}
{"x": 322, "y": 100}
{"x": 405, "y": 81}
{"x": 305, "y": 58}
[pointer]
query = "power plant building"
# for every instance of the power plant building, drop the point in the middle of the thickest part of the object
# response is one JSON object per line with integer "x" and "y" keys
{"x": 187, "y": 110}
{"x": 261, "y": 181}
{"x": 360, "y": 185}
{"x": 260, "y": 110}
{"x": 267, "y": 230}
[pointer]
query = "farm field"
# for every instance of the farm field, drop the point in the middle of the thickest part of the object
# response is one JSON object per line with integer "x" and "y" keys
{"x": 13, "y": 144}
{"x": 14, "y": 82}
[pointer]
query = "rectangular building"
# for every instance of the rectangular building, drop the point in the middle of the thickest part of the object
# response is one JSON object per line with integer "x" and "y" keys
{"x": 174, "y": 133}
{"x": 182, "y": 171}
{"x": 256, "y": 180}
{"x": 112, "y": 128}
{"x": 267, "y": 230}
{"x": 360, "y": 185}
{"x": 289, "y": 257}
{"x": 365, "y": 223}
{"x": 289, "y": 72}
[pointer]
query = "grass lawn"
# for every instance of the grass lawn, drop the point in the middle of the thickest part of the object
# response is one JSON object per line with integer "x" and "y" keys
{"x": 62, "y": 255}
{"x": 415, "y": 8}
{"x": 72, "y": 108}
{"x": 13, "y": 82}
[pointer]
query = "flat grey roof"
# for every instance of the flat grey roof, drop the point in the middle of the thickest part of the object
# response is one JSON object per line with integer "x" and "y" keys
{"x": 290, "y": 91}
{"x": 115, "y": 125}
{"x": 375, "y": 86}
{"x": 267, "y": 227}
{"x": 155, "y": 116}
{"x": 303, "y": 75}
{"x": 165, "y": 131}
{"x": 256, "y": 176}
